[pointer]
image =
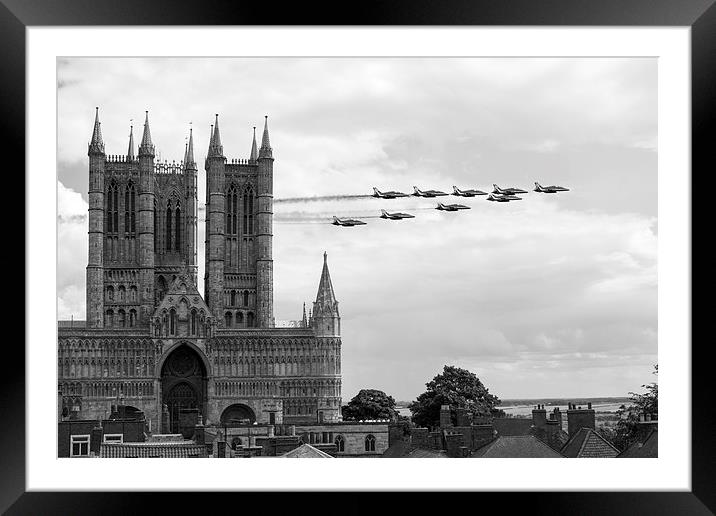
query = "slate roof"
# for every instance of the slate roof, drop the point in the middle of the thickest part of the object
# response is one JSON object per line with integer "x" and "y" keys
{"x": 516, "y": 446}
{"x": 512, "y": 425}
{"x": 306, "y": 451}
{"x": 649, "y": 448}
{"x": 588, "y": 443}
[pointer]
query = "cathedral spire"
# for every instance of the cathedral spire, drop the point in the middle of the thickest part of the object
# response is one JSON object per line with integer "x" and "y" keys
{"x": 190, "y": 149}
{"x": 130, "y": 150}
{"x": 254, "y": 151}
{"x": 325, "y": 296}
{"x": 96, "y": 145}
{"x": 216, "y": 150}
{"x": 304, "y": 321}
{"x": 146, "y": 147}
{"x": 265, "y": 150}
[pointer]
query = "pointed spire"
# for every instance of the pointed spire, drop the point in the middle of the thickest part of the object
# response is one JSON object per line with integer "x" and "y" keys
{"x": 216, "y": 150}
{"x": 265, "y": 151}
{"x": 130, "y": 150}
{"x": 304, "y": 321}
{"x": 146, "y": 147}
{"x": 325, "y": 296}
{"x": 254, "y": 151}
{"x": 189, "y": 158}
{"x": 96, "y": 145}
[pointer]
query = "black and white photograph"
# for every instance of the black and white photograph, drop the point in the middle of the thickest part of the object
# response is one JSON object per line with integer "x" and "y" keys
{"x": 357, "y": 257}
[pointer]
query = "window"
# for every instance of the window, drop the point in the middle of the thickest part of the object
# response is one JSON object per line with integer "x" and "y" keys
{"x": 370, "y": 443}
{"x": 79, "y": 445}
{"x": 193, "y": 322}
{"x": 340, "y": 443}
{"x": 169, "y": 226}
{"x": 132, "y": 318}
{"x": 113, "y": 438}
{"x": 110, "y": 293}
{"x": 172, "y": 321}
{"x": 246, "y": 298}
{"x": 122, "y": 319}
{"x": 177, "y": 229}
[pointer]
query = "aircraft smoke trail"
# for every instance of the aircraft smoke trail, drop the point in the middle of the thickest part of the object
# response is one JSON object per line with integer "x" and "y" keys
{"x": 320, "y": 198}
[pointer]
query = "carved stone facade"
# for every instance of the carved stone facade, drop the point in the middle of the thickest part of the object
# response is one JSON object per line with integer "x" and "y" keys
{"x": 151, "y": 340}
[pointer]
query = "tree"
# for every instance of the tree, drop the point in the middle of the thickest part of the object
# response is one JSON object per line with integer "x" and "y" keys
{"x": 370, "y": 404}
{"x": 626, "y": 430}
{"x": 456, "y": 387}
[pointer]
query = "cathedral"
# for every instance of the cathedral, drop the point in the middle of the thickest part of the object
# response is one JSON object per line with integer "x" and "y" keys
{"x": 151, "y": 340}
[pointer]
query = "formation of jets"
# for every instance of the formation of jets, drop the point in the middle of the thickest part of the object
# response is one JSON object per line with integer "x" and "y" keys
{"x": 498, "y": 194}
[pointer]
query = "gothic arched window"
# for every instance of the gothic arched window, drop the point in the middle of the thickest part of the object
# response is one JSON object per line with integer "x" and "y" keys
{"x": 370, "y": 443}
{"x": 110, "y": 293}
{"x": 239, "y": 318}
{"x": 132, "y": 293}
{"x": 109, "y": 318}
{"x": 246, "y": 298}
{"x": 132, "y": 318}
{"x": 193, "y": 322}
{"x": 227, "y": 319}
{"x": 340, "y": 443}
{"x": 169, "y": 226}
{"x": 156, "y": 233}
{"x": 232, "y": 212}
{"x": 129, "y": 209}
{"x": 172, "y": 321}
{"x": 122, "y": 319}
{"x": 121, "y": 291}
{"x": 113, "y": 208}
{"x": 250, "y": 319}
{"x": 177, "y": 229}
{"x": 248, "y": 211}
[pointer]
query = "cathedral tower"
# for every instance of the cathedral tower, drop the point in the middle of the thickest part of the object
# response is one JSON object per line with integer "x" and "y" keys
{"x": 95, "y": 262}
{"x": 325, "y": 319}
{"x": 264, "y": 233}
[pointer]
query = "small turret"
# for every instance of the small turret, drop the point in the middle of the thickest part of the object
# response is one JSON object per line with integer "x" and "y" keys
{"x": 326, "y": 319}
{"x": 216, "y": 150}
{"x": 96, "y": 145}
{"x": 265, "y": 151}
{"x": 146, "y": 148}
{"x": 130, "y": 150}
{"x": 254, "y": 151}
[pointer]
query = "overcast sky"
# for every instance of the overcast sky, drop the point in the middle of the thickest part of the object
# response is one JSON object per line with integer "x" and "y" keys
{"x": 550, "y": 296}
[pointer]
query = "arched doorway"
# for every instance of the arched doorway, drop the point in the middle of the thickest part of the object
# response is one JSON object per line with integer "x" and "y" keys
{"x": 184, "y": 387}
{"x": 238, "y": 414}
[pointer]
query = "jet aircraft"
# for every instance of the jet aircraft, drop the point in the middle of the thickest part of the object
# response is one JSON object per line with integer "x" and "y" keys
{"x": 507, "y": 191}
{"x": 427, "y": 193}
{"x": 549, "y": 189}
{"x": 451, "y": 207}
{"x": 347, "y": 222}
{"x": 395, "y": 216}
{"x": 503, "y": 198}
{"x": 388, "y": 195}
{"x": 466, "y": 193}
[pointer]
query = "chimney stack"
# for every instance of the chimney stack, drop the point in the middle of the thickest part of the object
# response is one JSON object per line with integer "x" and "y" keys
{"x": 577, "y": 418}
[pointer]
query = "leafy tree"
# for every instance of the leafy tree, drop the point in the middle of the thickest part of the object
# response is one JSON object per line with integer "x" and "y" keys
{"x": 370, "y": 404}
{"x": 456, "y": 387}
{"x": 626, "y": 430}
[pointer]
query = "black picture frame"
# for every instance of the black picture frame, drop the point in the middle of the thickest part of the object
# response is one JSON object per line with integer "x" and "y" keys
{"x": 16, "y": 15}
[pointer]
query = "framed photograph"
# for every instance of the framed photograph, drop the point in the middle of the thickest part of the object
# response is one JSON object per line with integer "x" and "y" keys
{"x": 435, "y": 233}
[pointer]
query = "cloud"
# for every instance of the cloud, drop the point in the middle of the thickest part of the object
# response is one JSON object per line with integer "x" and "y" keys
{"x": 71, "y": 253}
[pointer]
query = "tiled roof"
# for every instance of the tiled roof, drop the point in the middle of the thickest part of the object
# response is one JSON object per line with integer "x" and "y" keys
{"x": 402, "y": 450}
{"x": 512, "y": 425}
{"x": 306, "y": 451}
{"x": 588, "y": 443}
{"x": 649, "y": 448}
{"x": 516, "y": 446}
{"x": 155, "y": 449}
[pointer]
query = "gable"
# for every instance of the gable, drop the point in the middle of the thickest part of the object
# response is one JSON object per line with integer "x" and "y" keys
{"x": 183, "y": 302}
